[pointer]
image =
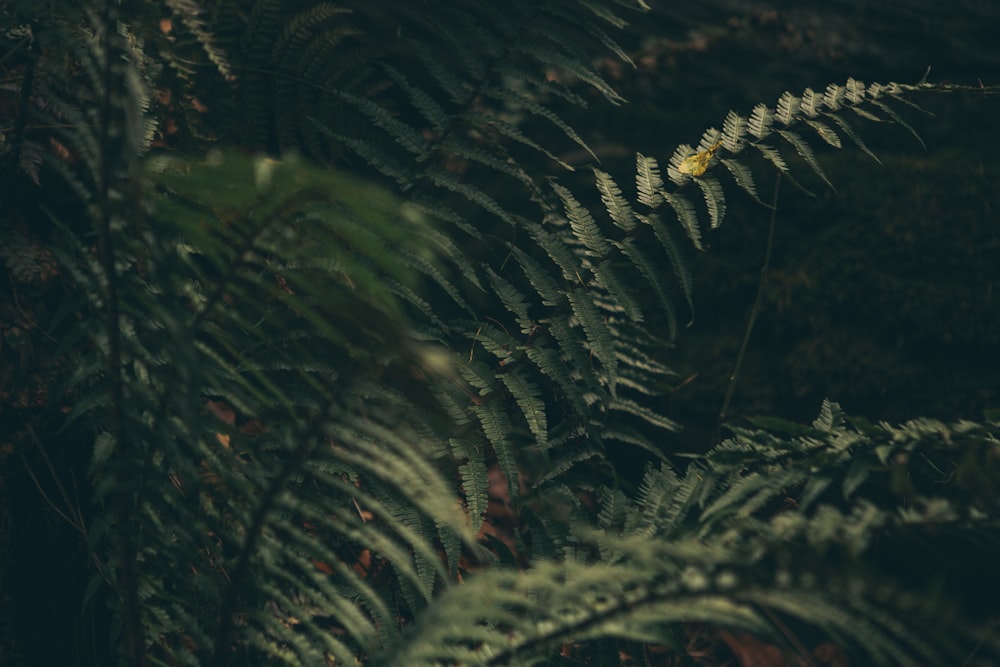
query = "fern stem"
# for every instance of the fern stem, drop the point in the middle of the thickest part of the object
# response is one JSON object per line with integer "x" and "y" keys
{"x": 128, "y": 588}
{"x": 242, "y": 570}
{"x": 753, "y": 311}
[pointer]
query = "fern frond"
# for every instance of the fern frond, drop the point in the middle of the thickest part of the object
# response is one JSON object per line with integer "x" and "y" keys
{"x": 584, "y": 72}
{"x": 493, "y": 340}
{"x": 465, "y": 149}
{"x": 513, "y": 300}
{"x": 598, "y": 334}
{"x": 734, "y": 130}
{"x": 651, "y": 417}
{"x": 439, "y": 211}
{"x": 540, "y": 280}
{"x": 221, "y": 225}
{"x": 614, "y": 202}
{"x": 834, "y": 95}
{"x": 190, "y": 14}
{"x": 576, "y": 349}
{"x": 804, "y": 150}
{"x": 388, "y": 165}
{"x": 849, "y": 131}
{"x": 788, "y": 108}
{"x": 475, "y": 481}
{"x": 637, "y": 355}
{"x": 811, "y": 109}
{"x": 425, "y": 103}
{"x": 892, "y": 114}
{"x": 511, "y": 131}
{"x": 450, "y": 83}
{"x": 654, "y": 278}
{"x": 622, "y": 296}
{"x": 561, "y": 253}
{"x": 472, "y": 193}
{"x": 825, "y": 132}
{"x": 479, "y": 375}
{"x": 531, "y": 106}
{"x": 604, "y": 38}
{"x": 497, "y": 427}
{"x": 686, "y": 214}
{"x": 540, "y": 84}
{"x": 528, "y": 397}
{"x": 667, "y": 502}
{"x": 546, "y": 358}
{"x": 677, "y": 260}
{"x": 831, "y": 417}
{"x": 715, "y": 200}
{"x": 583, "y": 224}
{"x": 566, "y": 458}
{"x": 648, "y": 182}
{"x": 773, "y": 155}
{"x": 406, "y": 136}
{"x": 811, "y": 104}
{"x": 743, "y": 177}
{"x": 674, "y": 173}
{"x": 760, "y": 122}
{"x": 302, "y": 28}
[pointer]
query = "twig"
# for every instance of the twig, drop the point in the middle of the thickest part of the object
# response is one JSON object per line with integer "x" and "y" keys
{"x": 45, "y": 497}
{"x": 77, "y": 514}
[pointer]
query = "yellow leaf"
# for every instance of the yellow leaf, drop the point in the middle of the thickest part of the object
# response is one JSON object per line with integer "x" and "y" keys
{"x": 697, "y": 164}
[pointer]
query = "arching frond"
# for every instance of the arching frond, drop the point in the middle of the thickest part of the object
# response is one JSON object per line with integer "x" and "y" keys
{"x": 497, "y": 428}
{"x": 714, "y": 199}
{"x": 684, "y": 210}
{"x": 583, "y": 224}
{"x": 617, "y": 206}
{"x": 528, "y": 397}
{"x": 803, "y": 149}
{"x": 649, "y": 184}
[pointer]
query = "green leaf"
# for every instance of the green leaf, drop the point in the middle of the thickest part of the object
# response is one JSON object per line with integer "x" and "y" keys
{"x": 598, "y": 334}
{"x": 686, "y": 214}
{"x": 528, "y": 397}
{"x": 623, "y": 297}
{"x": 715, "y": 199}
{"x": 761, "y": 120}
{"x": 475, "y": 480}
{"x": 496, "y": 426}
{"x": 583, "y": 224}
{"x": 616, "y": 204}
{"x": 806, "y": 152}
{"x": 647, "y": 180}
{"x": 743, "y": 177}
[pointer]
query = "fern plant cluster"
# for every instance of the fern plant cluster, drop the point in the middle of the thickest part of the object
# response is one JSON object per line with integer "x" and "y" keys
{"x": 354, "y": 377}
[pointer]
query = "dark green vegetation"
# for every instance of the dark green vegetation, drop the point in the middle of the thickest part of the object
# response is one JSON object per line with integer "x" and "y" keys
{"x": 320, "y": 345}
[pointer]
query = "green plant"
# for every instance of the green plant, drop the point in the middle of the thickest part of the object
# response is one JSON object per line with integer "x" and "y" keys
{"x": 313, "y": 405}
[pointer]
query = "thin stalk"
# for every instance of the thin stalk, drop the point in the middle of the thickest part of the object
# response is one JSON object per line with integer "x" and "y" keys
{"x": 761, "y": 285}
